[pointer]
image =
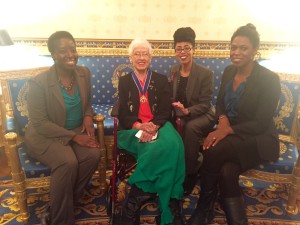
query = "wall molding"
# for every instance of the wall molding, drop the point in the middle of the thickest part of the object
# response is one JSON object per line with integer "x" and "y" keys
{"x": 113, "y": 47}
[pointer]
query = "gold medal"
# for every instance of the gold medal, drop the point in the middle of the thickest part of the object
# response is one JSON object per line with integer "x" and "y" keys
{"x": 143, "y": 99}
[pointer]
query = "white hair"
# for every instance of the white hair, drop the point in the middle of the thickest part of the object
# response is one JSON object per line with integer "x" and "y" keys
{"x": 139, "y": 42}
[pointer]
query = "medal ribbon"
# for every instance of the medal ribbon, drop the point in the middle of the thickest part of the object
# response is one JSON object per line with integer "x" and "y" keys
{"x": 138, "y": 84}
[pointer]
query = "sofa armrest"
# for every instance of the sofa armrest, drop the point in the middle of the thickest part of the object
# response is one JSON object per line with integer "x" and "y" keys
{"x": 17, "y": 172}
{"x": 99, "y": 120}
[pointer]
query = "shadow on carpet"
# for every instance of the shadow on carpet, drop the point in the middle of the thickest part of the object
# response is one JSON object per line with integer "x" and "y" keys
{"x": 266, "y": 204}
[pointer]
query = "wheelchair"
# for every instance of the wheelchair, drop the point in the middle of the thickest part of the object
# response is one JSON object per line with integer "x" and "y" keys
{"x": 123, "y": 165}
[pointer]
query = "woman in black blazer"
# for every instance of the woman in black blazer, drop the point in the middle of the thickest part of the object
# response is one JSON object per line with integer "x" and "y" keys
{"x": 245, "y": 134}
{"x": 145, "y": 108}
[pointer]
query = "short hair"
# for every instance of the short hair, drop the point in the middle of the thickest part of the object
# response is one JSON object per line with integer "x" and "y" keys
{"x": 139, "y": 42}
{"x": 184, "y": 34}
{"x": 55, "y": 37}
{"x": 250, "y": 32}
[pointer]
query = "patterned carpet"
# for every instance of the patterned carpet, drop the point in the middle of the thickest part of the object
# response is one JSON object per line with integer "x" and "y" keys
{"x": 265, "y": 205}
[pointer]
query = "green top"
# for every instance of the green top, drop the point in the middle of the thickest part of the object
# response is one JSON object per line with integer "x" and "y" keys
{"x": 73, "y": 108}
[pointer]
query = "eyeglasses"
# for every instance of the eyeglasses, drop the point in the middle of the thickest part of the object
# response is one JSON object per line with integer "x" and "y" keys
{"x": 184, "y": 49}
{"x": 140, "y": 54}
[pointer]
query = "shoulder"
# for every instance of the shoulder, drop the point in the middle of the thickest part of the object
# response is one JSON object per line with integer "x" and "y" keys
{"x": 126, "y": 79}
{"x": 159, "y": 76}
{"x": 201, "y": 69}
{"x": 43, "y": 76}
{"x": 267, "y": 73}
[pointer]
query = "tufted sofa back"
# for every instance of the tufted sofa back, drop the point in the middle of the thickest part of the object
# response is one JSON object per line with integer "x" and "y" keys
{"x": 106, "y": 70}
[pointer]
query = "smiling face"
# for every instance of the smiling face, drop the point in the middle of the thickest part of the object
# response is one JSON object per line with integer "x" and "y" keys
{"x": 242, "y": 52}
{"x": 65, "y": 54}
{"x": 184, "y": 52}
{"x": 140, "y": 58}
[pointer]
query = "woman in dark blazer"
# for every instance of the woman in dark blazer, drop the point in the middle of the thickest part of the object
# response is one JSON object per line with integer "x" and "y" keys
{"x": 60, "y": 133}
{"x": 192, "y": 90}
{"x": 245, "y": 135}
{"x": 145, "y": 108}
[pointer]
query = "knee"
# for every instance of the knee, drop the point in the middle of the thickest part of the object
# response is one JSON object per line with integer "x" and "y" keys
{"x": 189, "y": 127}
{"x": 69, "y": 164}
{"x": 93, "y": 156}
{"x": 229, "y": 173}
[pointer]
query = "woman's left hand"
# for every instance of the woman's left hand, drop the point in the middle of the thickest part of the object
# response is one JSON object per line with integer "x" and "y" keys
{"x": 146, "y": 137}
{"x": 88, "y": 126}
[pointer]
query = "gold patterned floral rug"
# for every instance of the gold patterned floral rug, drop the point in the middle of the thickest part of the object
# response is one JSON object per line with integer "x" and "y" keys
{"x": 265, "y": 205}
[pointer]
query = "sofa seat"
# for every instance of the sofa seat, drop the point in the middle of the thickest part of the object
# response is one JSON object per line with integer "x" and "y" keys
{"x": 286, "y": 161}
{"x": 32, "y": 167}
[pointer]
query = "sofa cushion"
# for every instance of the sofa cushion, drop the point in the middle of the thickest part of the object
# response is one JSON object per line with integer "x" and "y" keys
{"x": 285, "y": 163}
{"x": 32, "y": 167}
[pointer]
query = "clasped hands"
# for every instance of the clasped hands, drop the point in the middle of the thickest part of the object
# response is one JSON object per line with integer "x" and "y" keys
{"x": 87, "y": 137}
{"x": 149, "y": 130}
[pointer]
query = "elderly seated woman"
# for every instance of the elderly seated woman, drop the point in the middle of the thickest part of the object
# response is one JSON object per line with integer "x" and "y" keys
{"x": 145, "y": 108}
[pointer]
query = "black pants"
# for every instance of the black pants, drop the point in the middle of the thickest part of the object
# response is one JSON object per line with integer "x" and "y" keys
{"x": 229, "y": 158}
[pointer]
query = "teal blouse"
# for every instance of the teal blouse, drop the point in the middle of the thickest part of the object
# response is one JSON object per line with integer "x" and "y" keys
{"x": 73, "y": 109}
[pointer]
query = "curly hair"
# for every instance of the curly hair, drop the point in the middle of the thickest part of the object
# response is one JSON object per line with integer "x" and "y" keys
{"x": 184, "y": 34}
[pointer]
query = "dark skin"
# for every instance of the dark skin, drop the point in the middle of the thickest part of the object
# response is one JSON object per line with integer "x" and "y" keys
{"x": 65, "y": 57}
{"x": 242, "y": 53}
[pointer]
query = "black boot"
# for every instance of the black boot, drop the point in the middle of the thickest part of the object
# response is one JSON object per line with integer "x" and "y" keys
{"x": 131, "y": 210}
{"x": 204, "y": 212}
{"x": 235, "y": 211}
{"x": 176, "y": 211}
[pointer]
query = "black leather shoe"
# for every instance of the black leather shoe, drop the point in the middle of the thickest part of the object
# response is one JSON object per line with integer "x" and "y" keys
{"x": 46, "y": 217}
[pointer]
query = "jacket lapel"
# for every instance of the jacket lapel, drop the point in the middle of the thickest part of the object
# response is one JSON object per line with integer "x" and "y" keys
{"x": 175, "y": 76}
{"x": 191, "y": 83}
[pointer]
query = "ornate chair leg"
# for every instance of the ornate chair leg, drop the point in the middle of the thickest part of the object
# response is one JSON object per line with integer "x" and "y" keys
{"x": 103, "y": 159}
{"x": 18, "y": 175}
{"x": 294, "y": 189}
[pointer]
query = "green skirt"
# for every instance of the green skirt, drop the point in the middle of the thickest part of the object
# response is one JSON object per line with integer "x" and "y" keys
{"x": 160, "y": 165}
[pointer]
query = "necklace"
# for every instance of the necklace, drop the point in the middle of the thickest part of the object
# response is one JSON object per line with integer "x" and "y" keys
{"x": 67, "y": 88}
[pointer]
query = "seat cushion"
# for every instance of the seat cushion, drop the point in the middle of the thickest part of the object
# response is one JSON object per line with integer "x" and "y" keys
{"x": 285, "y": 163}
{"x": 32, "y": 167}
{"x": 105, "y": 110}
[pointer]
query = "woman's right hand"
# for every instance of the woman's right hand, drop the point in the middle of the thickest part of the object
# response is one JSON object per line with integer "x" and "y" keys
{"x": 149, "y": 127}
{"x": 85, "y": 140}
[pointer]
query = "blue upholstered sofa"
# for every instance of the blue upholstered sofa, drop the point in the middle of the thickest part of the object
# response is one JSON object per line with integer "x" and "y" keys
{"x": 105, "y": 71}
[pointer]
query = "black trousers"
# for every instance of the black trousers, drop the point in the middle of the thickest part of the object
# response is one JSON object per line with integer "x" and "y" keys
{"x": 229, "y": 158}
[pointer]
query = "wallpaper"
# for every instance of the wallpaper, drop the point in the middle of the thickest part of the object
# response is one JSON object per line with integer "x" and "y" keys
{"x": 151, "y": 19}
